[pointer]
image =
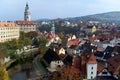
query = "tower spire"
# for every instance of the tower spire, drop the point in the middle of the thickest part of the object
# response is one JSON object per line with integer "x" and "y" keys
{"x": 53, "y": 28}
{"x": 27, "y": 12}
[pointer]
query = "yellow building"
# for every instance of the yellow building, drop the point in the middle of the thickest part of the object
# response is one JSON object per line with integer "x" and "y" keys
{"x": 62, "y": 51}
{"x": 8, "y": 31}
{"x": 91, "y": 29}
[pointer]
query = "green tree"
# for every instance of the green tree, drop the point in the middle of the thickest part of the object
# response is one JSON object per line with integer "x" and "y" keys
{"x": 31, "y": 34}
{"x": 43, "y": 41}
{"x": 35, "y": 41}
{"x": 22, "y": 35}
{"x": 27, "y": 41}
{"x": 2, "y": 55}
{"x": 42, "y": 46}
{"x": 24, "y": 40}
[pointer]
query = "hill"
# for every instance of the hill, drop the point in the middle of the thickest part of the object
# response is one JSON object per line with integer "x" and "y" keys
{"x": 104, "y": 17}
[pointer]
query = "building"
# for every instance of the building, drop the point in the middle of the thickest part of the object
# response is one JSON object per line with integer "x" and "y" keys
{"x": 27, "y": 24}
{"x": 8, "y": 31}
{"x": 91, "y": 67}
{"x": 91, "y": 29}
{"x": 52, "y": 60}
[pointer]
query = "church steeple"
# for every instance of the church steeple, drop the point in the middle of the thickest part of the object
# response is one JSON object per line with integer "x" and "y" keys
{"x": 27, "y": 13}
{"x": 53, "y": 29}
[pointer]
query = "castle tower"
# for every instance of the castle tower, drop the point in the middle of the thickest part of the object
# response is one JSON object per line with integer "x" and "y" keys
{"x": 27, "y": 13}
{"x": 91, "y": 67}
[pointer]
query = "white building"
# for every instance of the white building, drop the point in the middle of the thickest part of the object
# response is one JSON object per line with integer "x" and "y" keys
{"x": 54, "y": 65}
{"x": 8, "y": 31}
{"x": 91, "y": 67}
{"x": 27, "y": 24}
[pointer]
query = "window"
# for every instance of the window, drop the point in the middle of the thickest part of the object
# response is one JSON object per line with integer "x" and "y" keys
{"x": 104, "y": 72}
{"x": 91, "y": 67}
{"x": 91, "y": 72}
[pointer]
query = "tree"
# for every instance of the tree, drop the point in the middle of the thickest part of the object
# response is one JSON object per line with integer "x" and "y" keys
{"x": 2, "y": 55}
{"x": 35, "y": 41}
{"x": 42, "y": 46}
{"x": 27, "y": 41}
{"x": 24, "y": 39}
{"x": 31, "y": 34}
{"x": 3, "y": 73}
{"x": 22, "y": 35}
{"x": 61, "y": 35}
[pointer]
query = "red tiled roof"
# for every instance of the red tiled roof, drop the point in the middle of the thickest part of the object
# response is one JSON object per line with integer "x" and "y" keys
{"x": 73, "y": 42}
{"x": 83, "y": 65}
{"x": 23, "y": 22}
{"x": 76, "y": 62}
{"x": 92, "y": 59}
{"x": 114, "y": 64}
{"x": 117, "y": 34}
{"x": 100, "y": 67}
{"x": 7, "y": 23}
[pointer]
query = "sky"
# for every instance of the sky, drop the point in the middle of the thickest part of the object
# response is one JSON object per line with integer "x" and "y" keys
{"x": 14, "y": 9}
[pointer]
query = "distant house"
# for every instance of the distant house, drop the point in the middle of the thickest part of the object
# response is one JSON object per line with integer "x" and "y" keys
{"x": 71, "y": 37}
{"x": 62, "y": 51}
{"x": 91, "y": 29}
{"x": 73, "y": 42}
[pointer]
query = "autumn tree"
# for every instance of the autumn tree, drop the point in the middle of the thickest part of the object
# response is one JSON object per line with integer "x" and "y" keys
{"x": 3, "y": 73}
{"x": 61, "y": 34}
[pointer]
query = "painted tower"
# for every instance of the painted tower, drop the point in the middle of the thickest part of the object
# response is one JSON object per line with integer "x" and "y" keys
{"x": 27, "y": 13}
{"x": 91, "y": 67}
{"x": 53, "y": 29}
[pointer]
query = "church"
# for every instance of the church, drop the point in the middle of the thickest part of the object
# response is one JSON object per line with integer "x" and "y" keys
{"x": 27, "y": 24}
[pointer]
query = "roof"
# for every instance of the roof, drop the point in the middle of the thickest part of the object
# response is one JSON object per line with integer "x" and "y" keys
{"x": 7, "y": 23}
{"x": 77, "y": 62}
{"x": 68, "y": 59}
{"x": 73, "y": 42}
{"x": 108, "y": 52}
{"x": 83, "y": 71}
{"x": 114, "y": 64}
{"x": 90, "y": 26}
{"x": 50, "y": 55}
{"x": 92, "y": 59}
{"x": 100, "y": 67}
{"x": 24, "y": 22}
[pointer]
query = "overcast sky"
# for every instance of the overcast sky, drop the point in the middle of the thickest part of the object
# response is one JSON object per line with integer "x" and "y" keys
{"x": 14, "y": 9}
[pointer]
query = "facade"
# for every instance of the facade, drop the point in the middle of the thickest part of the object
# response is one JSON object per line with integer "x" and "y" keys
{"x": 62, "y": 51}
{"x": 91, "y": 29}
{"x": 91, "y": 67}
{"x": 27, "y": 24}
{"x": 8, "y": 31}
{"x": 53, "y": 30}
